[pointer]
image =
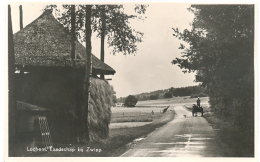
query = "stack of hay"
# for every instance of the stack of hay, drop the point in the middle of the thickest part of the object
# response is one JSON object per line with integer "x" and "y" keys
{"x": 99, "y": 109}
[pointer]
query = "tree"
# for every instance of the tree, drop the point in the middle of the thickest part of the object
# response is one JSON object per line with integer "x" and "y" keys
{"x": 73, "y": 34}
{"x": 130, "y": 101}
{"x": 86, "y": 86}
{"x": 221, "y": 51}
{"x": 172, "y": 89}
{"x": 168, "y": 95}
{"x": 120, "y": 34}
{"x": 114, "y": 32}
{"x": 154, "y": 96}
{"x": 21, "y": 17}
{"x": 102, "y": 35}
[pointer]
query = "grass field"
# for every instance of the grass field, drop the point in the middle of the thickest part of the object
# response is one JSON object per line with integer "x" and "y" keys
{"x": 135, "y": 114}
{"x": 123, "y": 117}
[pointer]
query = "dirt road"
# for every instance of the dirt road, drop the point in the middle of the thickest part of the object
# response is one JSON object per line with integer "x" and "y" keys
{"x": 182, "y": 137}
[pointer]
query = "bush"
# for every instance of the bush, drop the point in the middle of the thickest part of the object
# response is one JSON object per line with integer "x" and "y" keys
{"x": 130, "y": 101}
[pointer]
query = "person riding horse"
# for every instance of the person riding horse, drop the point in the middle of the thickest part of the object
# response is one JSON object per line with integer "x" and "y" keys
{"x": 198, "y": 102}
{"x": 197, "y": 109}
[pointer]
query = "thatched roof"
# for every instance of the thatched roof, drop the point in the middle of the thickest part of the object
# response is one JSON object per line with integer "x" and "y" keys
{"x": 45, "y": 42}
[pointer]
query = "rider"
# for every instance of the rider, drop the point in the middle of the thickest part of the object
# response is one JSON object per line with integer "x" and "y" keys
{"x": 198, "y": 102}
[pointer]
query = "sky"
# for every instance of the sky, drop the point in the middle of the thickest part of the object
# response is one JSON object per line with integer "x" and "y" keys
{"x": 150, "y": 68}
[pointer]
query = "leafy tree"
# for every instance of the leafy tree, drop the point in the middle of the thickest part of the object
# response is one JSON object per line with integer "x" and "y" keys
{"x": 221, "y": 50}
{"x": 168, "y": 95}
{"x": 154, "y": 97}
{"x": 121, "y": 100}
{"x": 172, "y": 89}
{"x": 120, "y": 34}
{"x": 130, "y": 101}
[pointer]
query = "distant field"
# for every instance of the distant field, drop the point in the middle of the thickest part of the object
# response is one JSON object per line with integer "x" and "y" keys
{"x": 172, "y": 101}
{"x": 135, "y": 114}
{"x": 136, "y": 110}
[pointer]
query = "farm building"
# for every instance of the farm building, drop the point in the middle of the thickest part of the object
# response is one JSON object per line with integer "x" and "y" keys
{"x": 47, "y": 77}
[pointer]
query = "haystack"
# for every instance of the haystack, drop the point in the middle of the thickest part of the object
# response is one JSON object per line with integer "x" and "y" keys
{"x": 99, "y": 109}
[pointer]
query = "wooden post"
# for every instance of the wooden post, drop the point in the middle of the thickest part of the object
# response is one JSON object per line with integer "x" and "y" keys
{"x": 21, "y": 17}
{"x": 103, "y": 29}
{"x": 12, "y": 111}
{"x": 88, "y": 72}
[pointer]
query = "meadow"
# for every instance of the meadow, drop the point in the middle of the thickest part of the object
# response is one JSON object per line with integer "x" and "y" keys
{"x": 135, "y": 114}
{"x": 123, "y": 117}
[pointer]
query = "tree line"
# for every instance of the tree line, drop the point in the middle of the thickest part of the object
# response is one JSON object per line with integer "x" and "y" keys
{"x": 193, "y": 91}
